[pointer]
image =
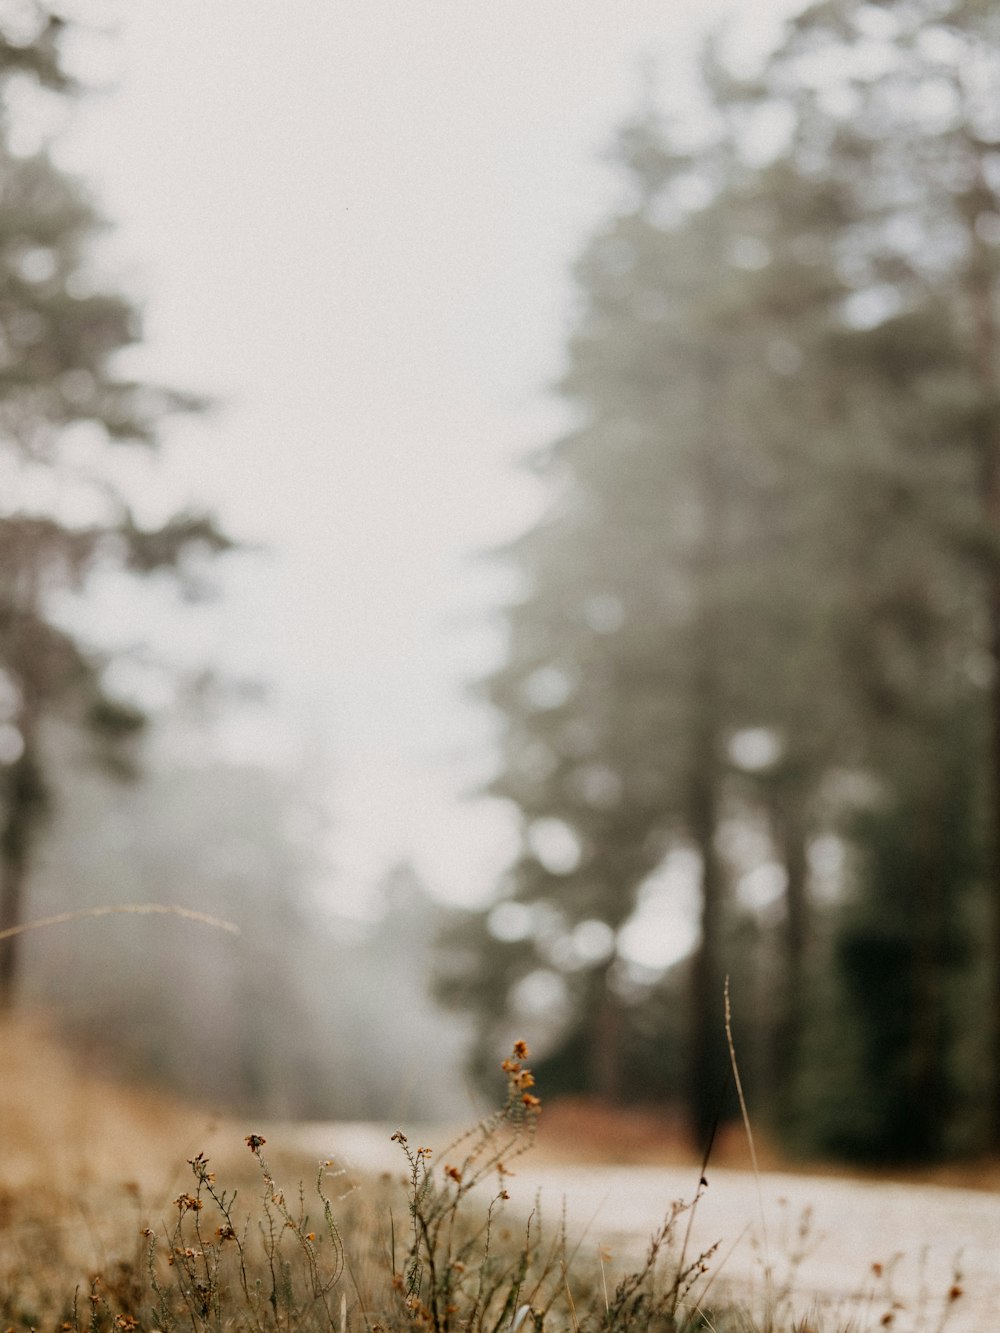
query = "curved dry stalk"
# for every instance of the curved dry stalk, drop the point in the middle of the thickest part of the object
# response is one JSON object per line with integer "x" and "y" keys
{"x": 117, "y": 909}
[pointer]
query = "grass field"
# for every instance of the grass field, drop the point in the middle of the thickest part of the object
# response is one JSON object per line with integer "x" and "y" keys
{"x": 121, "y": 1210}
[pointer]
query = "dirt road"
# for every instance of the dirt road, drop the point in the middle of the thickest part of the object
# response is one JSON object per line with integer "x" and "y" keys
{"x": 854, "y": 1250}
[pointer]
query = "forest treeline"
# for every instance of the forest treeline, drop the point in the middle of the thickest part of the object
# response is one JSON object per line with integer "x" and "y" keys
{"x": 758, "y": 626}
{"x": 754, "y": 653}
{"x": 114, "y": 786}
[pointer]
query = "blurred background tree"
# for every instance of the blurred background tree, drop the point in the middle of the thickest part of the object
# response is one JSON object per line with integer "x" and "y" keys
{"x": 298, "y": 1018}
{"x": 758, "y": 620}
{"x": 65, "y": 413}
{"x": 897, "y": 107}
{"x": 753, "y": 662}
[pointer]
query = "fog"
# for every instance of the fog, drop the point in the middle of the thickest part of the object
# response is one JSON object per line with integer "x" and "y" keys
{"x": 355, "y": 235}
{"x": 503, "y": 511}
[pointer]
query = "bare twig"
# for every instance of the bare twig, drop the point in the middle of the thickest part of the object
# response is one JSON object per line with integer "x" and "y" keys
{"x": 768, "y": 1276}
{"x": 118, "y": 909}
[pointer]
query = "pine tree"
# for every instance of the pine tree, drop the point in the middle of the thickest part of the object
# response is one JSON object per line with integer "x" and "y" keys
{"x": 892, "y": 115}
{"x": 64, "y": 410}
{"x": 774, "y": 517}
{"x": 626, "y": 674}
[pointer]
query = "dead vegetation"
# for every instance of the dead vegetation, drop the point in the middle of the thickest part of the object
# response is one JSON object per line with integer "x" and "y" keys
{"x": 123, "y": 1210}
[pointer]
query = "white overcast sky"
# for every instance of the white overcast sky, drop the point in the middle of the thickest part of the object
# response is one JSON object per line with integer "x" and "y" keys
{"x": 352, "y": 224}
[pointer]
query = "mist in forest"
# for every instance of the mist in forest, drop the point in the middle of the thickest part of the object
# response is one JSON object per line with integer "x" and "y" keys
{"x": 527, "y": 560}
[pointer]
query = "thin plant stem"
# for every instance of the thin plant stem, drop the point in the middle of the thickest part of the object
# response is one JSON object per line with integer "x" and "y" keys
{"x": 744, "y": 1113}
{"x": 122, "y": 909}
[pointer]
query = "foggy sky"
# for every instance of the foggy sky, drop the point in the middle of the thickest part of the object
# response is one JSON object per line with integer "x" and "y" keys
{"x": 353, "y": 226}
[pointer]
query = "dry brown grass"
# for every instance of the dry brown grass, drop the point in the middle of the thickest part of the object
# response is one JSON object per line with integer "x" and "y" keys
{"x": 584, "y": 1129}
{"x": 64, "y": 1123}
{"x": 94, "y": 1174}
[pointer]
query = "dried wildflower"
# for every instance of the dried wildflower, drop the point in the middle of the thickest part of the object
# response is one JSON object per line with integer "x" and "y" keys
{"x": 398, "y": 1137}
{"x": 225, "y": 1233}
{"x": 955, "y": 1292}
{"x": 454, "y": 1173}
{"x": 521, "y": 1049}
{"x": 424, "y": 1152}
{"x": 525, "y": 1079}
{"x": 255, "y": 1142}
{"x": 532, "y": 1103}
{"x": 503, "y": 1195}
{"x": 310, "y": 1235}
{"x": 511, "y": 1067}
{"x": 186, "y": 1202}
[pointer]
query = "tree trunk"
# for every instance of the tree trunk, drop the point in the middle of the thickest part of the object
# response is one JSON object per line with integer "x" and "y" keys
{"x": 980, "y": 295}
{"x": 12, "y": 880}
{"x": 707, "y": 1064}
{"x": 606, "y": 1056}
{"x": 707, "y": 1059}
{"x": 994, "y": 610}
{"x": 790, "y": 1025}
{"x": 926, "y": 1075}
{"x": 24, "y": 809}
{"x": 990, "y": 474}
